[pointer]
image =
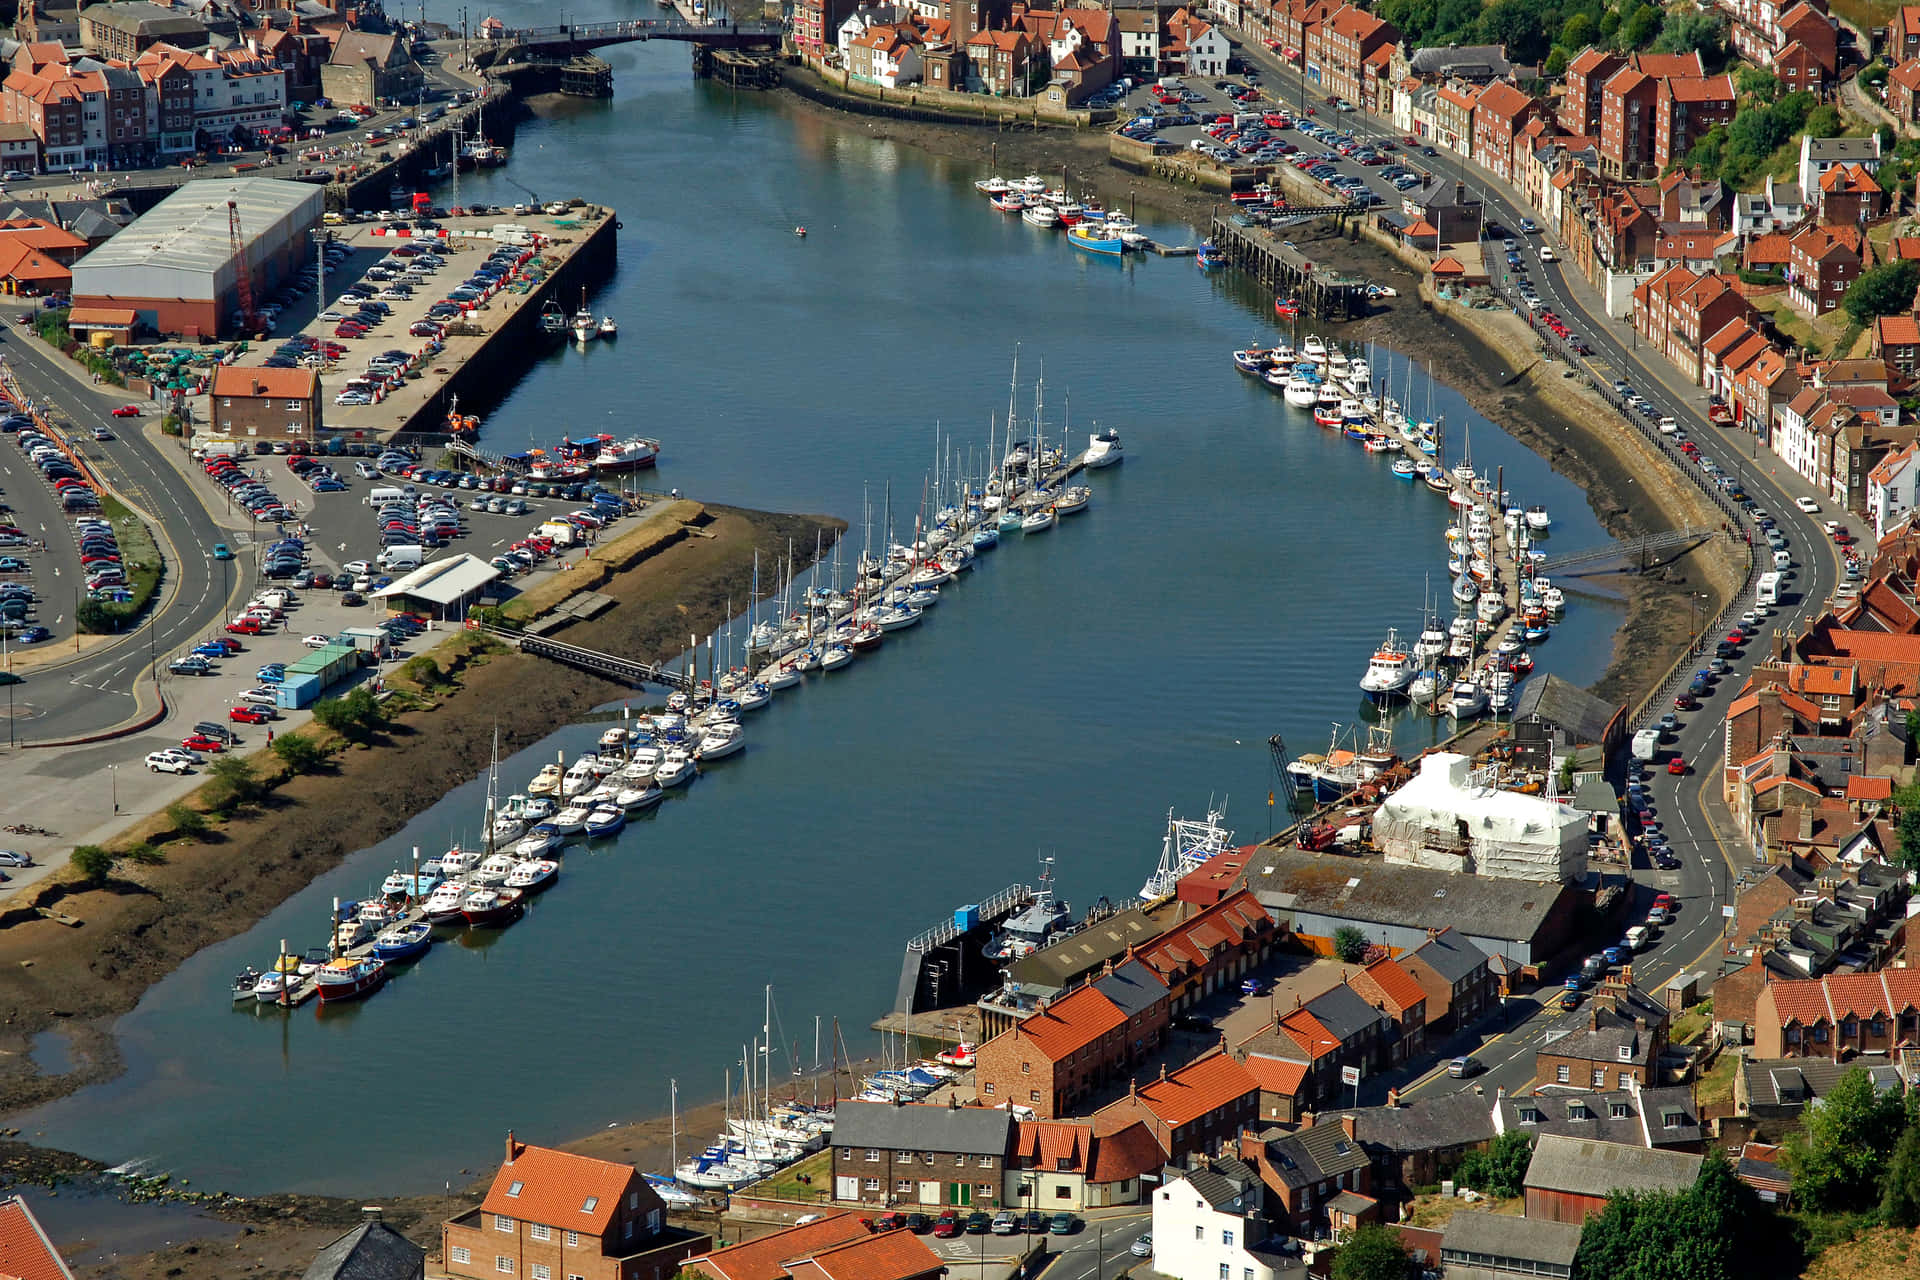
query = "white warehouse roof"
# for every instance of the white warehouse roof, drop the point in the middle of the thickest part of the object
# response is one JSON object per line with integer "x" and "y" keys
{"x": 1445, "y": 814}
{"x": 186, "y": 235}
{"x": 443, "y": 582}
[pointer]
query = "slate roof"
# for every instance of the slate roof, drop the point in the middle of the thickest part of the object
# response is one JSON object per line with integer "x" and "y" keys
{"x": 1567, "y": 706}
{"x": 1582, "y": 1166}
{"x": 1411, "y": 897}
{"x": 1795, "y": 1082}
{"x": 1430, "y": 1124}
{"x": 1132, "y": 987}
{"x": 1469, "y": 62}
{"x": 1449, "y": 954}
{"x": 1224, "y": 1185}
{"x": 1344, "y": 1012}
{"x": 922, "y": 1127}
{"x": 1617, "y": 1115}
{"x": 371, "y": 1251}
{"x": 1317, "y": 1154}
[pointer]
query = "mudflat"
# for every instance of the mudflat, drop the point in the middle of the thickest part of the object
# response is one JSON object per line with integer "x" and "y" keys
{"x": 150, "y": 918}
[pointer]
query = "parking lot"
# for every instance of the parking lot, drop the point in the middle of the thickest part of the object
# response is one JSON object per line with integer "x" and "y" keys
{"x": 56, "y": 548}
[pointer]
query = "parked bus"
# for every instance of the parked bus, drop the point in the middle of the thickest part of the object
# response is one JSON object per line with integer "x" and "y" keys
{"x": 1768, "y": 591}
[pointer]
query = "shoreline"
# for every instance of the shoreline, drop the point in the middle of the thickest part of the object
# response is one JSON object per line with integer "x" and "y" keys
{"x": 1539, "y": 409}
{"x": 79, "y": 980}
{"x": 1504, "y": 377}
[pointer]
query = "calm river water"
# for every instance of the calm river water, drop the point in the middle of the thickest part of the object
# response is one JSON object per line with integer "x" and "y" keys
{"x": 1229, "y": 582}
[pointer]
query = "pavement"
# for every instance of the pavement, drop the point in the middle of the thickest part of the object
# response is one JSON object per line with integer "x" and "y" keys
{"x": 1714, "y": 856}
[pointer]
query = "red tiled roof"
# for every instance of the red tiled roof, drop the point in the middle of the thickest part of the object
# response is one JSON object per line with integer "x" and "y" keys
{"x": 25, "y": 1251}
{"x": 104, "y": 317}
{"x": 1198, "y": 1089}
{"x": 1907, "y": 74}
{"x": 889, "y": 1255}
{"x": 1897, "y": 330}
{"x": 1072, "y": 1022}
{"x": 1125, "y": 1154}
{"x": 1588, "y": 61}
{"x": 1864, "y": 788}
{"x": 1449, "y": 266}
{"x": 1422, "y": 228}
{"x": 1226, "y": 922}
{"x": 1503, "y": 100}
{"x": 1048, "y": 1142}
{"x": 558, "y": 1188}
{"x": 1306, "y": 1031}
{"x": 279, "y": 384}
{"x": 1395, "y": 983}
{"x": 764, "y": 1258}
{"x": 1701, "y": 89}
{"x": 1276, "y": 1076}
{"x": 1670, "y": 64}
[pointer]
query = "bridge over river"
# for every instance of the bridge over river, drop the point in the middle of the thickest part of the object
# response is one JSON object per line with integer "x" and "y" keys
{"x": 504, "y": 48}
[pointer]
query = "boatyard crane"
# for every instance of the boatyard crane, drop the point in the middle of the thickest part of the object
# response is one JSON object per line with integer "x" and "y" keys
{"x": 245, "y": 277}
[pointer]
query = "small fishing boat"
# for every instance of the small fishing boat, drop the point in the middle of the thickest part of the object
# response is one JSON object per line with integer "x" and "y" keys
{"x": 1031, "y": 185}
{"x": 1040, "y": 215}
{"x": 800, "y": 232}
{"x": 244, "y": 983}
{"x": 444, "y": 906}
{"x": 1210, "y": 256}
{"x": 1300, "y": 393}
{"x": 1096, "y": 237}
{"x": 404, "y": 942}
{"x": 1404, "y": 469}
{"x": 1039, "y": 520}
{"x": 1466, "y": 700}
{"x": 489, "y": 908}
{"x": 676, "y": 769}
{"x": 995, "y": 186}
{"x": 1103, "y": 450}
{"x": 609, "y": 328}
{"x": 1010, "y": 202}
{"x": 345, "y": 979}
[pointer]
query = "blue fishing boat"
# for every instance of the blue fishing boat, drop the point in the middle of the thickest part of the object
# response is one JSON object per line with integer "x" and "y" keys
{"x": 1096, "y": 237}
{"x": 404, "y": 942}
{"x": 1210, "y": 256}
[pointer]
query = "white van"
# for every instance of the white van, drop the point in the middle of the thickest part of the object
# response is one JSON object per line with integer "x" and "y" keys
{"x": 404, "y": 557}
{"x": 1638, "y": 937}
{"x": 381, "y": 496}
{"x": 1546, "y": 254}
{"x": 1646, "y": 744}
{"x": 1782, "y": 559}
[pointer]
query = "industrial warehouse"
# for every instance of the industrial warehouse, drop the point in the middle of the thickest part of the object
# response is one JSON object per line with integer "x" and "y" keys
{"x": 179, "y": 268}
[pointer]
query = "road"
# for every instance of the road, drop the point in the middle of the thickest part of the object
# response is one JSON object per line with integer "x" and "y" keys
{"x": 195, "y": 594}
{"x": 1695, "y": 821}
{"x": 1101, "y": 1247}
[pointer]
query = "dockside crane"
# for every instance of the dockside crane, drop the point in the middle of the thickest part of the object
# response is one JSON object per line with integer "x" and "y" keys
{"x": 245, "y": 277}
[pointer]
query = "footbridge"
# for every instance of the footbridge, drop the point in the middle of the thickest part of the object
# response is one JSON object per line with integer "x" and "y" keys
{"x": 1639, "y": 554}
{"x": 608, "y": 666}
{"x": 506, "y": 47}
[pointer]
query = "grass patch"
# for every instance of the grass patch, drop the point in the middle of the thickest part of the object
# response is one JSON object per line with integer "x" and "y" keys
{"x": 817, "y": 1169}
{"x": 140, "y": 557}
{"x": 1434, "y": 1210}
{"x": 1882, "y": 1253}
{"x": 1716, "y": 1084}
{"x": 591, "y": 568}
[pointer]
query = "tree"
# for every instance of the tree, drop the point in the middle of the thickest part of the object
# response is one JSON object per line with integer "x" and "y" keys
{"x": 1756, "y": 82}
{"x": 1500, "y": 1170}
{"x": 1349, "y": 943}
{"x": 1639, "y": 28}
{"x": 93, "y": 863}
{"x": 1577, "y": 32}
{"x": 1715, "y": 1228}
{"x": 1908, "y": 854}
{"x": 299, "y": 752}
{"x": 1900, "y": 1202}
{"x": 354, "y": 717}
{"x": 236, "y": 782}
{"x": 1874, "y": 74}
{"x": 188, "y": 822}
{"x": 1839, "y": 1163}
{"x": 1373, "y": 1252}
{"x": 1885, "y": 290}
{"x": 1556, "y": 62}
{"x": 1825, "y": 121}
{"x": 1609, "y": 24}
{"x": 1687, "y": 30}
{"x": 1520, "y": 25}
{"x": 145, "y": 854}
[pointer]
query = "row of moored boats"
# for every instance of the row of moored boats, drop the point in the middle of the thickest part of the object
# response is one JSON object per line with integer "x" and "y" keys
{"x": 1088, "y": 225}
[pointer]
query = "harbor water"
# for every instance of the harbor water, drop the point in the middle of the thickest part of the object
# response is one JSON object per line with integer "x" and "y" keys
{"x": 1228, "y": 583}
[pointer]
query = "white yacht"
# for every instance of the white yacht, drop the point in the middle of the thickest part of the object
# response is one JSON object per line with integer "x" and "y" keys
{"x": 1467, "y": 700}
{"x": 1103, "y": 450}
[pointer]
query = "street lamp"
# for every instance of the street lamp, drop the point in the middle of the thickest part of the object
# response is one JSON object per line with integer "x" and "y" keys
{"x": 113, "y": 783}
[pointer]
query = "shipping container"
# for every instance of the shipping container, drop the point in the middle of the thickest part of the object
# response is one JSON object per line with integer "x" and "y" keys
{"x": 296, "y": 693}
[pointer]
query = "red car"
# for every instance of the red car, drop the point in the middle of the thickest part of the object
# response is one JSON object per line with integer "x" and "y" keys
{"x": 1663, "y": 900}
{"x": 948, "y": 1226}
{"x": 127, "y": 411}
{"x": 248, "y": 715}
{"x": 201, "y": 742}
{"x": 1676, "y": 766}
{"x": 245, "y": 627}
{"x": 1686, "y": 702}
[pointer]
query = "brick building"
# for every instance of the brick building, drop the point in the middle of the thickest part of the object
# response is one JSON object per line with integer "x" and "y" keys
{"x": 1198, "y": 1108}
{"x": 1497, "y": 120}
{"x": 1586, "y": 75}
{"x": 1618, "y": 1048}
{"x": 1569, "y": 1179}
{"x": 1459, "y": 986}
{"x": 1838, "y": 1016}
{"x": 1389, "y": 987}
{"x": 1212, "y": 949}
{"x": 261, "y": 403}
{"x": 1685, "y": 109}
{"x": 836, "y": 1246}
{"x": 550, "y": 1215}
{"x": 889, "y": 1154}
{"x": 1070, "y": 1047}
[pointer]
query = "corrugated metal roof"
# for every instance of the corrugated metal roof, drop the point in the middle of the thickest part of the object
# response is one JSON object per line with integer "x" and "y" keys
{"x": 188, "y": 230}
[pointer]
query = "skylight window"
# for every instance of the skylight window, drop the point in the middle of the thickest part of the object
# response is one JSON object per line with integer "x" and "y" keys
{"x": 514, "y": 1190}
{"x": 593, "y": 1202}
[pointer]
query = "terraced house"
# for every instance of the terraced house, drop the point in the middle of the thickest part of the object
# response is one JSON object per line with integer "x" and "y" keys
{"x": 1838, "y": 1017}
{"x": 1341, "y": 45}
{"x": 1069, "y": 1048}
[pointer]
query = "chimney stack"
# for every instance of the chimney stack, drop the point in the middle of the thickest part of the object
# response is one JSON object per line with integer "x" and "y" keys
{"x": 1348, "y": 1123}
{"x": 1163, "y": 1071}
{"x": 1393, "y": 1098}
{"x": 513, "y": 1148}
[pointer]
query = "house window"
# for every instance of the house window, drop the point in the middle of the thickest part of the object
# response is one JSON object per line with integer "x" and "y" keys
{"x": 573, "y": 1239}
{"x": 1561, "y": 1074}
{"x": 1062, "y": 1192}
{"x": 902, "y": 1186}
{"x": 1033, "y": 1096}
{"x": 872, "y": 1184}
{"x": 1226, "y": 1238}
{"x": 502, "y": 1223}
{"x": 295, "y": 406}
{"x": 503, "y": 1264}
{"x": 904, "y": 1155}
{"x": 1599, "y": 1077}
{"x": 989, "y": 1089}
{"x": 541, "y": 1271}
{"x": 1226, "y": 1272}
{"x": 1199, "y": 1233}
{"x": 540, "y": 1231}
{"x": 1026, "y": 1068}
{"x": 462, "y": 1254}
{"x": 873, "y": 1157}
{"x": 960, "y": 1159}
{"x": 1620, "y": 1111}
{"x": 986, "y": 1162}
{"x": 1625, "y": 1076}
